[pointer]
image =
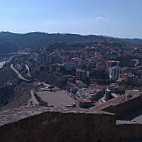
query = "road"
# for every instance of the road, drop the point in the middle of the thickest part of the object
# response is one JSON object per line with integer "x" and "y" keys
{"x": 136, "y": 62}
{"x": 28, "y": 70}
{"x": 32, "y": 101}
{"x": 18, "y": 74}
{"x": 1, "y": 64}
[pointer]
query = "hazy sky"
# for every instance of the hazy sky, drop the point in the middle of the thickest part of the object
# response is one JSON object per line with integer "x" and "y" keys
{"x": 119, "y": 18}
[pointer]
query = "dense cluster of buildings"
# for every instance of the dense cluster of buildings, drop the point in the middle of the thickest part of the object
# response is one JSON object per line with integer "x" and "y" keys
{"x": 98, "y": 65}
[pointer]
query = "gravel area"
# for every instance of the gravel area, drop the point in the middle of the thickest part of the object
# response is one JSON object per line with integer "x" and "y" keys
{"x": 56, "y": 97}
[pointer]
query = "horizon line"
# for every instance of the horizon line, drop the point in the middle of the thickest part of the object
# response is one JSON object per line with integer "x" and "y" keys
{"x": 22, "y": 33}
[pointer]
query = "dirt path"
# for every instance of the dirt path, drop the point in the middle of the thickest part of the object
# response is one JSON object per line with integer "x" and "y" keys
{"x": 32, "y": 101}
{"x": 18, "y": 74}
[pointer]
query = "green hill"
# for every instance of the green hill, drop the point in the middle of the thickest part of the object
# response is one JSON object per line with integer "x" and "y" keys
{"x": 11, "y": 42}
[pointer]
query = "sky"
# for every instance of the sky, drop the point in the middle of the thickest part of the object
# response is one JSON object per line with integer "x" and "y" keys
{"x": 117, "y": 18}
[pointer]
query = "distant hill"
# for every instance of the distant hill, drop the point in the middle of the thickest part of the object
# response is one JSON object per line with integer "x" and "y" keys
{"x": 11, "y": 42}
{"x": 134, "y": 41}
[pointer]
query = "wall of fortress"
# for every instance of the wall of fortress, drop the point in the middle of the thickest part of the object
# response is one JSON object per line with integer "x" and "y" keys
{"x": 125, "y": 107}
{"x": 60, "y": 127}
{"x": 129, "y": 132}
{"x": 70, "y": 127}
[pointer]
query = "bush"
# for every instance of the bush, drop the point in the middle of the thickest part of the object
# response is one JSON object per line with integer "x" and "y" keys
{"x": 121, "y": 89}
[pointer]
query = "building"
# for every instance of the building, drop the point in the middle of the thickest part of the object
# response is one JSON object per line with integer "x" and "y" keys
{"x": 48, "y": 59}
{"x": 135, "y": 80}
{"x": 42, "y": 59}
{"x": 113, "y": 87}
{"x": 107, "y": 94}
{"x": 85, "y": 103}
{"x": 81, "y": 74}
{"x": 115, "y": 72}
{"x": 98, "y": 55}
{"x": 110, "y": 64}
{"x": 97, "y": 95}
{"x": 64, "y": 59}
{"x": 69, "y": 66}
{"x": 34, "y": 56}
{"x": 100, "y": 66}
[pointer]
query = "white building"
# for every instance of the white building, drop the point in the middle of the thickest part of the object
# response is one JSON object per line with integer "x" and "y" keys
{"x": 115, "y": 72}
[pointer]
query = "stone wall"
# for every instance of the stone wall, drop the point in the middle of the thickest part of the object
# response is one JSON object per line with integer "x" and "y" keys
{"x": 73, "y": 126}
{"x": 60, "y": 127}
{"x": 129, "y": 132}
{"x": 125, "y": 107}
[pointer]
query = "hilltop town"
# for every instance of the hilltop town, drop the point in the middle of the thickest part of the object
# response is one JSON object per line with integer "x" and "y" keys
{"x": 86, "y": 74}
{"x": 70, "y": 71}
{"x": 91, "y": 79}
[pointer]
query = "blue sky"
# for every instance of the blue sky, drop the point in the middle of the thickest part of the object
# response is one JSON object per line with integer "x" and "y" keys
{"x": 118, "y": 18}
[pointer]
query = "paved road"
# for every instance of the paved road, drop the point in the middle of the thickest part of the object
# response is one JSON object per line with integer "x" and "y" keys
{"x": 32, "y": 101}
{"x": 136, "y": 62}
{"x": 27, "y": 68}
{"x": 19, "y": 75}
{"x": 1, "y": 64}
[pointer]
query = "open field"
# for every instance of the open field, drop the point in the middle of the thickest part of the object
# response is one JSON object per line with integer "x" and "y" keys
{"x": 56, "y": 97}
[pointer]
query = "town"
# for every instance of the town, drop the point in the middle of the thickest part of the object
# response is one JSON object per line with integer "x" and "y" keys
{"x": 92, "y": 75}
{"x": 84, "y": 77}
{"x": 99, "y": 81}
{"x": 70, "y": 71}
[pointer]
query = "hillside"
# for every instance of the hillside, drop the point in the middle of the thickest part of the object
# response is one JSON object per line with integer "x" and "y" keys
{"x": 134, "y": 41}
{"x": 11, "y": 42}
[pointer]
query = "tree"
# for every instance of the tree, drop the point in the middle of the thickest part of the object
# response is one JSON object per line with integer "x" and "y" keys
{"x": 121, "y": 89}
